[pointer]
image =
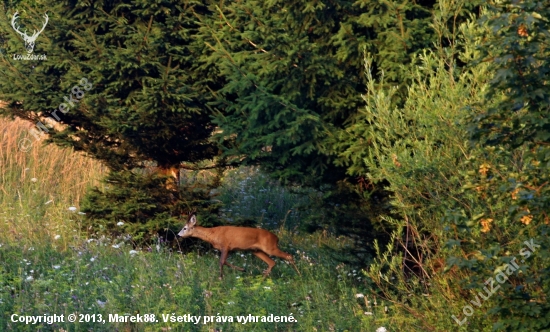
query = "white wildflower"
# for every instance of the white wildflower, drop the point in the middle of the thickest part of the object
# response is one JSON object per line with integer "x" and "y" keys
{"x": 72, "y": 208}
{"x": 120, "y": 223}
{"x": 359, "y": 296}
{"x": 57, "y": 237}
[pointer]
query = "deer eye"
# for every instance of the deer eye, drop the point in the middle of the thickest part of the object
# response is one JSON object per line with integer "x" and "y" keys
{"x": 185, "y": 228}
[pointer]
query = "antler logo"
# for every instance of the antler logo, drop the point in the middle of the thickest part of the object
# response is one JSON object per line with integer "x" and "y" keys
{"x": 29, "y": 40}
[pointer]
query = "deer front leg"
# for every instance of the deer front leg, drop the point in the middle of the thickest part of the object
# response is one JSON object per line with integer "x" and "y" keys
{"x": 223, "y": 257}
{"x": 235, "y": 267}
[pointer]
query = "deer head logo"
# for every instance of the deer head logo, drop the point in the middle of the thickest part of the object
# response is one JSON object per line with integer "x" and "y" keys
{"x": 29, "y": 40}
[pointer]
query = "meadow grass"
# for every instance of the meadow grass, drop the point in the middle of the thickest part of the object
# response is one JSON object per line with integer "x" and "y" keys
{"x": 50, "y": 266}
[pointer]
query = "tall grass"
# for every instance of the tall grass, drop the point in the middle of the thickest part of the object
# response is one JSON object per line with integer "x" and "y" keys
{"x": 50, "y": 267}
{"x": 96, "y": 278}
{"x": 40, "y": 185}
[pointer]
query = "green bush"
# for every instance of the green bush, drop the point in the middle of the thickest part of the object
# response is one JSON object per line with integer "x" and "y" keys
{"x": 480, "y": 207}
{"x": 421, "y": 150}
{"x": 504, "y": 236}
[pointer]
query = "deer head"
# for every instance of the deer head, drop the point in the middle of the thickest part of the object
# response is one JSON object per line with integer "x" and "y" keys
{"x": 29, "y": 40}
{"x": 189, "y": 227}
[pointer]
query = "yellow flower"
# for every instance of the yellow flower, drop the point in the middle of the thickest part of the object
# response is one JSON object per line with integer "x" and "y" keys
{"x": 526, "y": 219}
{"x": 485, "y": 225}
{"x": 515, "y": 193}
{"x": 484, "y": 168}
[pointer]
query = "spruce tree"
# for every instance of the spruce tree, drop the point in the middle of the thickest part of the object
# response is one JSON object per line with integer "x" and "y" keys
{"x": 293, "y": 79}
{"x": 274, "y": 81}
{"x": 123, "y": 82}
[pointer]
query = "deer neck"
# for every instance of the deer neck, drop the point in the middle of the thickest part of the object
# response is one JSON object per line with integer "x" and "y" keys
{"x": 206, "y": 234}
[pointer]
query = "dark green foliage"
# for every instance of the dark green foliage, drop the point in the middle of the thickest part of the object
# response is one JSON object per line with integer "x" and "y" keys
{"x": 279, "y": 79}
{"x": 294, "y": 74}
{"x": 146, "y": 102}
{"x": 519, "y": 51}
{"x": 353, "y": 211}
{"x": 140, "y": 205}
{"x": 138, "y": 97}
{"x": 509, "y": 174}
{"x": 294, "y": 77}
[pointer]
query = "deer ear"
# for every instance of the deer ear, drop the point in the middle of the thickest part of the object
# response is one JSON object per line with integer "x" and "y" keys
{"x": 192, "y": 220}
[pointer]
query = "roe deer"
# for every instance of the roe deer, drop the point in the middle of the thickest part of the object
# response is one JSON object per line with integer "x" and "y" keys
{"x": 262, "y": 243}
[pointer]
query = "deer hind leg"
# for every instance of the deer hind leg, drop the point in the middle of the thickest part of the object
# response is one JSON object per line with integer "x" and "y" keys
{"x": 288, "y": 257}
{"x": 264, "y": 257}
{"x": 223, "y": 261}
{"x": 281, "y": 254}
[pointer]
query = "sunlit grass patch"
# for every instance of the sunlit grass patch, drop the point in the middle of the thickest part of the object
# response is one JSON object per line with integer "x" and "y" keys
{"x": 39, "y": 186}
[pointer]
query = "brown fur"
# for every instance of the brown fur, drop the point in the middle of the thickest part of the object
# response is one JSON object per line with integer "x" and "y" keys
{"x": 262, "y": 243}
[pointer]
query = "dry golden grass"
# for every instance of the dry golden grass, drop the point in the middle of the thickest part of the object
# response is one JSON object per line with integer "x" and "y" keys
{"x": 38, "y": 186}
